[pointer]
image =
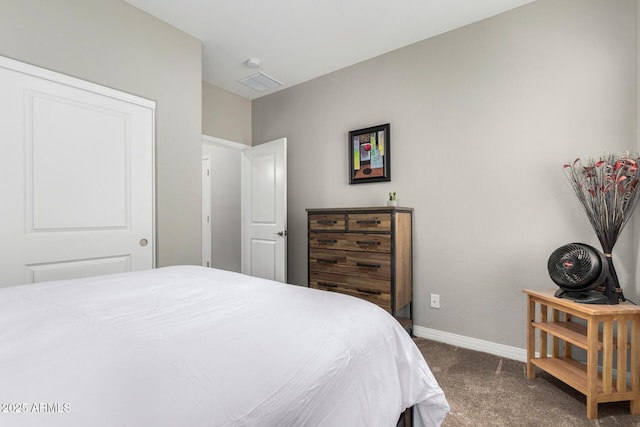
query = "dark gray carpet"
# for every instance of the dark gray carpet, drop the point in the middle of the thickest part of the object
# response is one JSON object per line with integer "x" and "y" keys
{"x": 486, "y": 390}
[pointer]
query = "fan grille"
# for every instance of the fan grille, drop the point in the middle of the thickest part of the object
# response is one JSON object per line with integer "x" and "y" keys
{"x": 576, "y": 267}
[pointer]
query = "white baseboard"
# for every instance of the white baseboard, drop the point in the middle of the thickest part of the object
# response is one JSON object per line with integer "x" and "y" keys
{"x": 508, "y": 352}
{"x": 514, "y": 353}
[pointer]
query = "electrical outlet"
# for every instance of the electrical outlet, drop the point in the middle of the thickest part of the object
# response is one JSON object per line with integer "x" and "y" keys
{"x": 435, "y": 301}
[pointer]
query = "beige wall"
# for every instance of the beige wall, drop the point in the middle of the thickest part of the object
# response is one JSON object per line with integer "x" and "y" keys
{"x": 114, "y": 44}
{"x": 225, "y": 115}
{"x": 482, "y": 120}
{"x": 635, "y": 223}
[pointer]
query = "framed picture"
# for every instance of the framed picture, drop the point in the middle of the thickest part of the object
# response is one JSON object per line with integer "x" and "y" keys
{"x": 369, "y": 154}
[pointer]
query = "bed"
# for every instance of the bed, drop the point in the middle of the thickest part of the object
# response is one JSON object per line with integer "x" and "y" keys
{"x": 194, "y": 346}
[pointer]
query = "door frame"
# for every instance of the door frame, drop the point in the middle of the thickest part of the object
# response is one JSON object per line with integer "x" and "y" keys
{"x": 206, "y": 218}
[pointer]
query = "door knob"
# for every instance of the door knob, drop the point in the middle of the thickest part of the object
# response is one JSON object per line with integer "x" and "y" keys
{"x": 281, "y": 233}
{"x": 143, "y": 242}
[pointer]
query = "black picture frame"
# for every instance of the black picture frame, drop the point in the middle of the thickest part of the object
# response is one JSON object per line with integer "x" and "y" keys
{"x": 370, "y": 154}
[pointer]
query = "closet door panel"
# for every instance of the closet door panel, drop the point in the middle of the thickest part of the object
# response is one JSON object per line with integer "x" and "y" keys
{"x": 79, "y": 185}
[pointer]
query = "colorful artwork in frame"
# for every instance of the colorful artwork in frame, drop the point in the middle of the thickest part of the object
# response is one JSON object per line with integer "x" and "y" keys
{"x": 369, "y": 154}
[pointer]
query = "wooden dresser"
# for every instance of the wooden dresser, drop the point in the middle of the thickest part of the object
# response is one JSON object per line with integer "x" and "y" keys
{"x": 366, "y": 253}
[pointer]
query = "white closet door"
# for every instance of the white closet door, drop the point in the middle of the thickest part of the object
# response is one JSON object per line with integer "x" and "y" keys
{"x": 77, "y": 177}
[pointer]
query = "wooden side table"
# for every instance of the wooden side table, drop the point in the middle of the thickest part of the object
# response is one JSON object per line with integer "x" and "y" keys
{"x": 610, "y": 331}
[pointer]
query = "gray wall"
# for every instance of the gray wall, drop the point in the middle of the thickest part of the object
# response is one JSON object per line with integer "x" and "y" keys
{"x": 225, "y": 115}
{"x": 114, "y": 44}
{"x": 635, "y": 224}
{"x": 482, "y": 120}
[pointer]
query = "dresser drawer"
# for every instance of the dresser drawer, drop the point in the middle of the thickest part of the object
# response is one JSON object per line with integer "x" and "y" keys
{"x": 327, "y": 222}
{"x": 327, "y": 240}
{"x": 370, "y": 222}
{"x": 351, "y": 241}
{"x": 369, "y": 242}
{"x": 327, "y": 280}
{"x": 329, "y": 261}
{"x": 369, "y": 265}
{"x": 382, "y": 300}
{"x": 360, "y": 284}
{"x": 368, "y": 285}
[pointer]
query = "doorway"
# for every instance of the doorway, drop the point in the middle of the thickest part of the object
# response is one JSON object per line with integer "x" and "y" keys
{"x": 231, "y": 202}
{"x": 224, "y": 202}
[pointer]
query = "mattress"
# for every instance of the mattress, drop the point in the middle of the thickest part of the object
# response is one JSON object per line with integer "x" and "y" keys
{"x": 194, "y": 346}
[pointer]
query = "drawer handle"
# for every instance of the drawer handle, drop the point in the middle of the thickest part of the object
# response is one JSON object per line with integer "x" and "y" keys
{"x": 368, "y": 221}
{"x": 365, "y": 291}
{"x": 327, "y": 222}
{"x": 330, "y": 241}
{"x": 364, "y": 264}
{"x": 360, "y": 242}
{"x": 328, "y": 261}
{"x": 328, "y": 285}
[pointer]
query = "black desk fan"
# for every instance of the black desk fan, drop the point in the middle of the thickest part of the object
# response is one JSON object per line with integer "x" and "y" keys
{"x": 582, "y": 273}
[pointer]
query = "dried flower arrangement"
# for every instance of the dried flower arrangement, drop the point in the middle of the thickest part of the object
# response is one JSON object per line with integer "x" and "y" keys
{"x": 608, "y": 190}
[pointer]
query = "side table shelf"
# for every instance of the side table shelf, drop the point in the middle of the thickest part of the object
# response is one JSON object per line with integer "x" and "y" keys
{"x": 609, "y": 331}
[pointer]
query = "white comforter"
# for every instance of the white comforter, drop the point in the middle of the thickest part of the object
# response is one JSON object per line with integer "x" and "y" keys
{"x": 191, "y": 346}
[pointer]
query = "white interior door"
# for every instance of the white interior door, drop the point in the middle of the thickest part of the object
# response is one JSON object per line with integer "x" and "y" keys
{"x": 264, "y": 210}
{"x": 77, "y": 187}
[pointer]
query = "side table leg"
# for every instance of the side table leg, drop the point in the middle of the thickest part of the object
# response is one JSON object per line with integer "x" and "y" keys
{"x": 592, "y": 368}
{"x": 635, "y": 366}
{"x": 531, "y": 338}
{"x": 592, "y": 408}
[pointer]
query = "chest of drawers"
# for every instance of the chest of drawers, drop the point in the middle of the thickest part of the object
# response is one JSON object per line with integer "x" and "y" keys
{"x": 363, "y": 252}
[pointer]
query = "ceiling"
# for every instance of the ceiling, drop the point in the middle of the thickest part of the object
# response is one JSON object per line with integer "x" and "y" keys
{"x": 298, "y": 40}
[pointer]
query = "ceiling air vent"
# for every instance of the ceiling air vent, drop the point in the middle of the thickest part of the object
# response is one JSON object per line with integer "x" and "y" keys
{"x": 260, "y": 82}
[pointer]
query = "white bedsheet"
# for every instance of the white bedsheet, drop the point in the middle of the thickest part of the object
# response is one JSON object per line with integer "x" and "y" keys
{"x": 191, "y": 346}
